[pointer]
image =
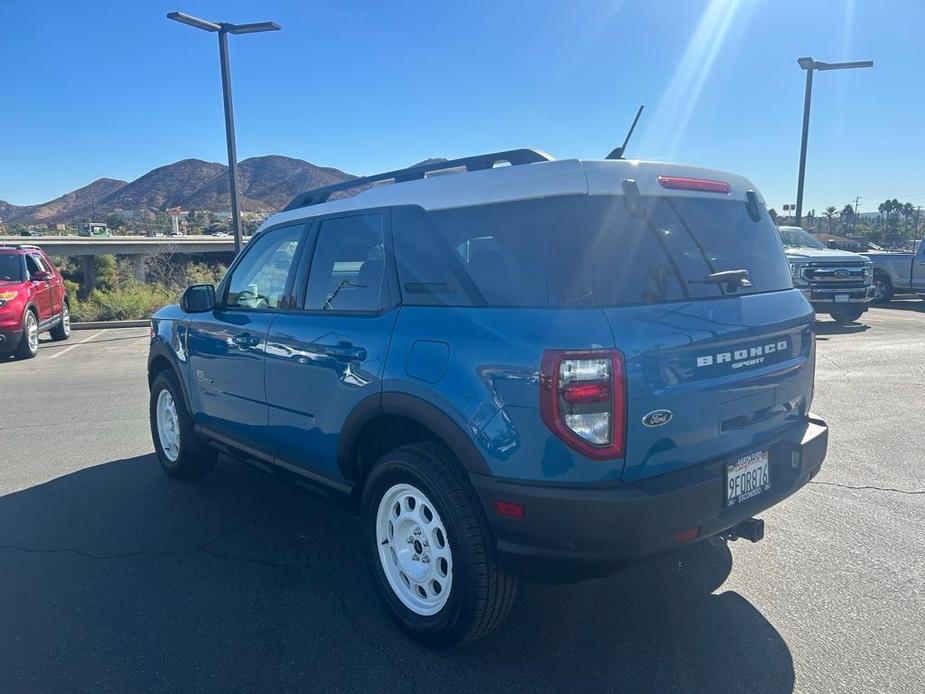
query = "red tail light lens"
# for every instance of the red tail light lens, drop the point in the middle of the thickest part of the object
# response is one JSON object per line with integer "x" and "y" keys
{"x": 701, "y": 184}
{"x": 583, "y": 400}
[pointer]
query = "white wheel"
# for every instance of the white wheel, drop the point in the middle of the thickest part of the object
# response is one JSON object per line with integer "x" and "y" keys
{"x": 168, "y": 425}
{"x": 414, "y": 549}
{"x": 65, "y": 320}
{"x": 32, "y": 332}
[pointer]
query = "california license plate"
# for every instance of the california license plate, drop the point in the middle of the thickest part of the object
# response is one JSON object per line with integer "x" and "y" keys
{"x": 747, "y": 478}
{"x": 841, "y": 298}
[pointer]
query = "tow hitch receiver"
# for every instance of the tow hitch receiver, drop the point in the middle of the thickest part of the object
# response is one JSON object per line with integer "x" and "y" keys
{"x": 751, "y": 529}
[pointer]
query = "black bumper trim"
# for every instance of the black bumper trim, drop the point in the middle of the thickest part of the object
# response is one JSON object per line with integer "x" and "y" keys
{"x": 571, "y": 533}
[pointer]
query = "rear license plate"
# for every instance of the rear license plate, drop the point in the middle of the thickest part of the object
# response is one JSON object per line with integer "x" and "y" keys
{"x": 841, "y": 298}
{"x": 747, "y": 478}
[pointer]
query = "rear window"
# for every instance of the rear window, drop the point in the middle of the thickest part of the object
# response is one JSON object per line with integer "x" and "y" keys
{"x": 10, "y": 267}
{"x": 583, "y": 251}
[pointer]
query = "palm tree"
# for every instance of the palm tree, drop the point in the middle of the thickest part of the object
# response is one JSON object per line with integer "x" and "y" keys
{"x": 908, "y": 212}
{"x": 829, "y": 215}
{"x": 846, "y": 215}
{"x": 884, "y": 208}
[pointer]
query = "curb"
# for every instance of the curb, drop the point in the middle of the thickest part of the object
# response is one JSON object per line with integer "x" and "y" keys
{"x": 102, "y": 324}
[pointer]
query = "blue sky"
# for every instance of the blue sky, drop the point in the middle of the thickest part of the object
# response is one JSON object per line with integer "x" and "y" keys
{"x": 96, "y": 88}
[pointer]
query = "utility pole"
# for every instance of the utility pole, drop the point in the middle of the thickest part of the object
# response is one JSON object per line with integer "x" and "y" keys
{"x": 854, "y": 224}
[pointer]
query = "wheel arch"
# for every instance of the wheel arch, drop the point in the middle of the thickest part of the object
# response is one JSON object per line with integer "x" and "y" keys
{"x": 383, "y": 422}
{"x": 161, "y": 358}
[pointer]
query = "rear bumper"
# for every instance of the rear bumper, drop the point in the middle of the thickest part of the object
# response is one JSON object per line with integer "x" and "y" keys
{"x": 9, "y": 339}
{"x": 573, "y": 533}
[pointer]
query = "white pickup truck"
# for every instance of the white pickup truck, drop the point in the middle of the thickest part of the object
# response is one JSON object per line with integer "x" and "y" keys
{"x": 898, "y": 273}
{"x": 835, "y": 282}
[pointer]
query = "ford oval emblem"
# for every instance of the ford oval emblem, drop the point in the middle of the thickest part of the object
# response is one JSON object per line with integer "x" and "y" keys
{"x": 842, "y": 274}
{"x": 657, "y": 417}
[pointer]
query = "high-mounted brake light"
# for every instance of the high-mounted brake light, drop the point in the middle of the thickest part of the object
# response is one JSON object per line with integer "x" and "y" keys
{"x": 583, "y": 400}
{"x": 701, "y": 184}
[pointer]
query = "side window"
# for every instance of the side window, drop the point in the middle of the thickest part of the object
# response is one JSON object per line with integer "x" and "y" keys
{"x": 348, "y": 265}
{"x": 259, "y": 281}
{"x": 35, "y": 264}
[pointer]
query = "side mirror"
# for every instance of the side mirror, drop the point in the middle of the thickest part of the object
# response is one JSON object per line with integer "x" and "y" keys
{"x": 198, "y": 298}
{"x": 40, "y": 276}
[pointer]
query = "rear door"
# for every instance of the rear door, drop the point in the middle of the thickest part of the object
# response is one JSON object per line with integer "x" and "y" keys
{"x": 41, "y": 289}
{"x": 714, "y": 369}
{"x": 918, "y": 268}
{"x": 56, "y": 287}
{"x": 227, "y": 346}
{"x": 327, "y": 357}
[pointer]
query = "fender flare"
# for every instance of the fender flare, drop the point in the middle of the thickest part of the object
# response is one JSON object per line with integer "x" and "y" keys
{"x": 159, "y": 348}
{"x": 414, "y": 408}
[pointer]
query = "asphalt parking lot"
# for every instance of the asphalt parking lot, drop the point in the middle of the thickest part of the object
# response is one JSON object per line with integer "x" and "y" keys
{"x": 115, "y": 578}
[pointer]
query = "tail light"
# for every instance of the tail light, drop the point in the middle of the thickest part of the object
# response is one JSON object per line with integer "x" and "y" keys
{"x": 583, "y": 400}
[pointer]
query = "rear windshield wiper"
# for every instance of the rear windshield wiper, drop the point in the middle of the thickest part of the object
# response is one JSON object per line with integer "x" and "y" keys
{"x": 733, "y": 279}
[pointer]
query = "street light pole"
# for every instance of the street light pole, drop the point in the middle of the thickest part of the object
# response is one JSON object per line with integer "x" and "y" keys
{"x": 223, "y": 29}
{"x": 229, "y": 137}
{"x": 810, "y": 66}
{"x": 807, "y": 100}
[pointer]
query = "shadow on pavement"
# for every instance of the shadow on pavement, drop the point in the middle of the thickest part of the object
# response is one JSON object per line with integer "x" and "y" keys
{"x": 914, "y": 305}
{"x": 117, "y": 578}
{"x": 830, "y": 327}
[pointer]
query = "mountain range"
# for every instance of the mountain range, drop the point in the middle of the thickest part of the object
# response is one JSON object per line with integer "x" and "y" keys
{"x": 266, "y": 184}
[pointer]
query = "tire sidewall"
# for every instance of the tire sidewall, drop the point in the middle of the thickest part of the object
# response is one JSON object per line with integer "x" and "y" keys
{"x": 449, "y": 624}
{"x": 166, "y": 381}
{"x": 25, "y": 351}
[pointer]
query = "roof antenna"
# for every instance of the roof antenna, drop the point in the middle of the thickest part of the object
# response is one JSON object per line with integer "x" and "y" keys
{"x": 618, "y": 152}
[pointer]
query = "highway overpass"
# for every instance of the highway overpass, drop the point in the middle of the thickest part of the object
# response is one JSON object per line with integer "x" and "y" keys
{"x": 135, "y": 246}
{"x": 124, "y": 245}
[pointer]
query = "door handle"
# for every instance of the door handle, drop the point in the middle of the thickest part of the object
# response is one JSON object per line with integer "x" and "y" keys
{"x": 346, "y": 352}
{"x": 246, "y": 340}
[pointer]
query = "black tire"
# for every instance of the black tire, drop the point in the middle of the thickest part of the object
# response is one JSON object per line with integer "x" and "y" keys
{"x": 195, "y": 458}
{"x": 481, "y": 592}
{"x": 846, "y": 316}
{"x": 62, "y": 330}
{"x": 25, "y": 349}
{"x": 884, "y": 288}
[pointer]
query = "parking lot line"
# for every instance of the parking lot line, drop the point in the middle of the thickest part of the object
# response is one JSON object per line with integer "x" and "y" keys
{"x": 68, "y": 349}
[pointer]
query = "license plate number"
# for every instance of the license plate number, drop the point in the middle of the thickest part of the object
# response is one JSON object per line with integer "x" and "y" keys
{"x": 747, "y": 478}
{"x": 841, "y": 298}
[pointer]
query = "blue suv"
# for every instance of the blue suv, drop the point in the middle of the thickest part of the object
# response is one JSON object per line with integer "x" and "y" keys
{"x": 536, "y": 368}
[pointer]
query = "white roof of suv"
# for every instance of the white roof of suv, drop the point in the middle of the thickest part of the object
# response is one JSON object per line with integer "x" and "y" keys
{"x": 520, "y": 182}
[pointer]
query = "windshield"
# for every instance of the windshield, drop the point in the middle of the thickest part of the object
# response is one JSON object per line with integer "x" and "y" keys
{"x": 794, "y": 237}
{"x": 10, "y": 267}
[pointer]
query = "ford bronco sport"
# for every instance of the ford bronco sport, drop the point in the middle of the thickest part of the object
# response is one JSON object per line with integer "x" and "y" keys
{"x": 536, "y": 368}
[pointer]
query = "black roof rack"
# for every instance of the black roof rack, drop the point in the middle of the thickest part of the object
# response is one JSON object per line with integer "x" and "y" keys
{"x": 21, "y": 246}
{"x": 479, "y": 162}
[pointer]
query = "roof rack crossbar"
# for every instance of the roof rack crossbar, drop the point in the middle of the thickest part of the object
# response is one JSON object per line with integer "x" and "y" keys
{"x": 514, "y": 157}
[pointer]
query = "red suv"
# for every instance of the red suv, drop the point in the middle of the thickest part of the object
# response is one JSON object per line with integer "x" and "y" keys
{"x": 32, "y": 300}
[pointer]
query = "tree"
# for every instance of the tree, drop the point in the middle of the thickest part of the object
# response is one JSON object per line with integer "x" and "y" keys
{"x": 114, "y": 220}
{"x": 773, "y": 214}
{"x": 829, "y": 214}
{"x": 846, "y": 216}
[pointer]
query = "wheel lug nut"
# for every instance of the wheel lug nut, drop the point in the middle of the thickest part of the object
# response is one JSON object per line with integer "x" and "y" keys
{"x": 415, "y": 557}
{"x": 410, "y": 539}
{"x": 425, "y": 559}
{"x": 417, "y": 531}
